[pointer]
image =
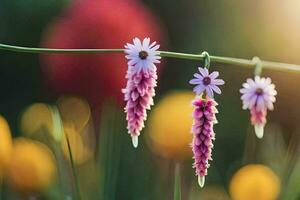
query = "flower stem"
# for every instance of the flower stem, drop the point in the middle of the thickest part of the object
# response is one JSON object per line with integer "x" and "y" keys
{"x": 1, "y": 187}
{"x": 218, "y": 59}
{"x": 258, "y": 67}
{"x": 48, "y": 50}
{"x": 73, "y": 170}
{"x": 177, "y": 183}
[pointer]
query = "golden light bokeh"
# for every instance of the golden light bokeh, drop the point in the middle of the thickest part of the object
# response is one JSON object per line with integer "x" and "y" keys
{"x": 169, "y": 126}
{"x": 80, "y": 152}
{"x": 35, "y": 118}
{"x": 5, "y": 145}
{"x": 75, "y": 117}
{"x": 74, "y": 110}
{"x": 254, "y": 182}
{"x": 32, "y": 166}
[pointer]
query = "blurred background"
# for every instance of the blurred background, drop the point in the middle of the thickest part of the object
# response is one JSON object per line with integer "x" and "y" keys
{"x": 54, "y": 105}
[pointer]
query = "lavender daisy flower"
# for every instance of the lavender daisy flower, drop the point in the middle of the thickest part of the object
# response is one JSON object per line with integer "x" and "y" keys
{"x": 141, "y": 80}
{"x": 258, "y": 96}
{"x": 206, "y": 82}
{"x": 204, "y": 119}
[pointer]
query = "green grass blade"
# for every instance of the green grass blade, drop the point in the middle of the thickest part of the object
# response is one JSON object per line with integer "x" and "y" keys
{"x": 177, "y": 183}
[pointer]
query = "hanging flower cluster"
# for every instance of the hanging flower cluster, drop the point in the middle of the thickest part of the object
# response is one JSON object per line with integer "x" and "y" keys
{"x": 141, "y": 80}
{"x": 258, "y": 96}
{"x": 204, "y": 119}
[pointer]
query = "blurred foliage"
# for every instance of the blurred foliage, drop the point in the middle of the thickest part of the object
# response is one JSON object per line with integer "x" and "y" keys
{"x": 209, "y": 193}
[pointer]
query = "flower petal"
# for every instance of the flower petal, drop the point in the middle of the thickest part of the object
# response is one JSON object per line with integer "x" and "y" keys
{"x": 216, "y": 89}
{"x": 209, "y": 91}
{"x": 199, "y": 89}
{"x": 218, "y": 82}
{"x": 195, "y": 81}
{"x": 196, "y": 75}
{"x": 203, "y": 71}
{"x": 214, "y": 75}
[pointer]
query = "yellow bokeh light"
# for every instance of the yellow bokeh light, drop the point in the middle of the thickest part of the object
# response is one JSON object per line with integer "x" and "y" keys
{"x": 254, "y": 182}
{"x": 32, "y": 166}
{"x": 169, "y": 127}
{"x": 5, "y": 145}
{"x": 74, "y": 110}
{"x": 35, "y": 118}
{"x": 80, "y": 152}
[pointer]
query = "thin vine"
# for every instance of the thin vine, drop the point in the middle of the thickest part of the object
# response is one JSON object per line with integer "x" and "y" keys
{"x": 218, "y": 59}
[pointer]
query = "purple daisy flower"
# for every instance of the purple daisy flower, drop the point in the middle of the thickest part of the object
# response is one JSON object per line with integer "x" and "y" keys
{"x": 206, "y": 82}
{"x": 258, "y": 96}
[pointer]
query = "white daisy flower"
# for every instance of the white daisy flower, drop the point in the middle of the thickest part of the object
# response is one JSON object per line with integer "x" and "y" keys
{"x": 142, "y": 55}
{"x": 258, "y": 96}
{"x": 259, "y": 93}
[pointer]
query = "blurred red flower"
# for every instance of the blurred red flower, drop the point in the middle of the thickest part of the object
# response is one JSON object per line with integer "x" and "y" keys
{"x": 95, "y": 24}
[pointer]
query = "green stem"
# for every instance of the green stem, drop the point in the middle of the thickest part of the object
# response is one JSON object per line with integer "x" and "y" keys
{"x": 177, "y": 183}
{"x": 217, "y": 59}
{"x": 258, "y": 66}
{"x": 73, "y": 170}
{"x": 1, "y": 187}
{"x": 47, "y": 50}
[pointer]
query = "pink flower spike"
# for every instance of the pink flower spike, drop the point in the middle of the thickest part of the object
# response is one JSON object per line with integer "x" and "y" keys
{"x": 141, "y": 80}
{"x": 204, "y": 119}
{"x": 258, "y": 96}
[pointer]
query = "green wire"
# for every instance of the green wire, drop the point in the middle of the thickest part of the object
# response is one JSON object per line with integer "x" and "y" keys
{"x": 218, "y": 59}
